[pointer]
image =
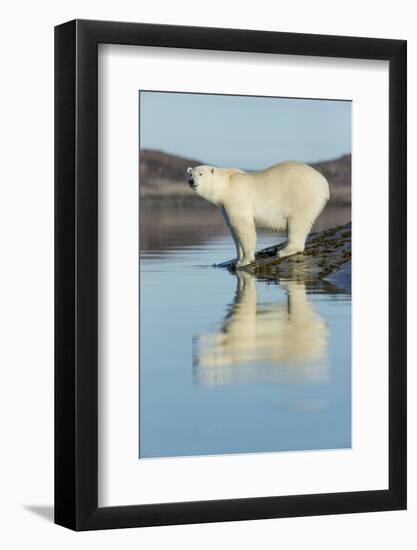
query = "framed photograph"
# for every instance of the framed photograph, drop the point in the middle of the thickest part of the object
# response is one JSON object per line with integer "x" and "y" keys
{"x": 230, "y": 252}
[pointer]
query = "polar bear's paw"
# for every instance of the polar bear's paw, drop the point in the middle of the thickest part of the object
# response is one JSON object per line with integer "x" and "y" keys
{"x": 289, "y": 250}
{"x": 244, "y": 262}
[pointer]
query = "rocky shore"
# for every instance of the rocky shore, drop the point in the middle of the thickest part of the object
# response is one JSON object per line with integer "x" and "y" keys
{"x": 326, "y": 259}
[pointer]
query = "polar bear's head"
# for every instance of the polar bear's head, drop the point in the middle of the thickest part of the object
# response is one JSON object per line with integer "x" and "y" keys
{"x": 209, "y": 182}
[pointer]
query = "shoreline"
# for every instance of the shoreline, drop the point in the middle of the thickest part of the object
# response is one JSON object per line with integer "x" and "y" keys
{"x": 327, "y": 258}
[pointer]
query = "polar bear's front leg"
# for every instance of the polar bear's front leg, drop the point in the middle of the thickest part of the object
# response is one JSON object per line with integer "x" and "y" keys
{"x": 243, "y": 227}
{"x": 239, "y": 251}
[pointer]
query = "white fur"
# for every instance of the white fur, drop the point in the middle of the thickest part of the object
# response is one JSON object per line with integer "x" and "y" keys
{"x": 289, "y": 195}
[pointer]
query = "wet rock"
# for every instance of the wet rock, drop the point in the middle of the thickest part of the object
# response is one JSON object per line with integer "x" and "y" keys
{"x": 342, "y": 277}
{"x": 327, "y": 258}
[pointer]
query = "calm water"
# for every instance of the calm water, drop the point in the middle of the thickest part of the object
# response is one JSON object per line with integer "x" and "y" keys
{"x": 231, "y": 364}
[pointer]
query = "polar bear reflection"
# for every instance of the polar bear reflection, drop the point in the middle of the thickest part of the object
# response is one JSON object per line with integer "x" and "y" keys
{"x": 278, "y": 342}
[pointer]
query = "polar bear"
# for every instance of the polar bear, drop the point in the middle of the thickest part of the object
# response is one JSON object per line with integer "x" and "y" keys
{"x": 289, "y": 195}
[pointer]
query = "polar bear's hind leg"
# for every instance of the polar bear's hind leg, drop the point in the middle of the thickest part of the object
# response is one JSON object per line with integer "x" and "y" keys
{"x": 298, "y": 230}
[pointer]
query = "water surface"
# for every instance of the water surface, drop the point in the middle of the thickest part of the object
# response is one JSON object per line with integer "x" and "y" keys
{"x": 229, "y": 363}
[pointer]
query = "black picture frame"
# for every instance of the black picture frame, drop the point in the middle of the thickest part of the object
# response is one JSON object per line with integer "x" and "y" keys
{"x": 76, "y": 272}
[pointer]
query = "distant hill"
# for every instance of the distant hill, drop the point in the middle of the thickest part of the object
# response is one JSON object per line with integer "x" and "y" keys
{"x": 164, "y": 176}
{"x": 338, "y": 173}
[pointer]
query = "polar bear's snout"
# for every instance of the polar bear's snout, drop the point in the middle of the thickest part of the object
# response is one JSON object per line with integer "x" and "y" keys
{"x": 191, "y": 181}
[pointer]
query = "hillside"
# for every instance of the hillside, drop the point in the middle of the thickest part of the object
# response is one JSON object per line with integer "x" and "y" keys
{"x": 164, "y": 176}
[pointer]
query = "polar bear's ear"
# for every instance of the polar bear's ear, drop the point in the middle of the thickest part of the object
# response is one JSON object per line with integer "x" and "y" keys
{"x": 212, "y": 170}
{"x": 189, "y": 170}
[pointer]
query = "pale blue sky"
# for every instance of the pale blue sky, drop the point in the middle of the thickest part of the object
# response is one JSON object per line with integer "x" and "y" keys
{"x": 243, "y": 131}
